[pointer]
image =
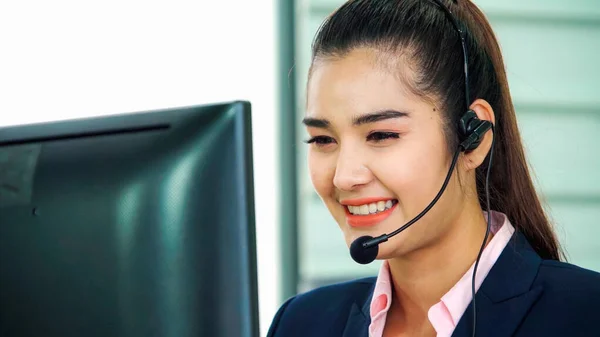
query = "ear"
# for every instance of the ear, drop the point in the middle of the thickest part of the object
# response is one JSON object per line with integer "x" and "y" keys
{"x": 475, "y": 158}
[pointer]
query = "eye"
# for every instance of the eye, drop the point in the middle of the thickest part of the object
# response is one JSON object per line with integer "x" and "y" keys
{"x": 320, "y": 140}
{"x": 381, "y": 136}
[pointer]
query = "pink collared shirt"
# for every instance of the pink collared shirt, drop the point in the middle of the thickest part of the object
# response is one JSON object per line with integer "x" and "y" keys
{"x": 445, "y": 314}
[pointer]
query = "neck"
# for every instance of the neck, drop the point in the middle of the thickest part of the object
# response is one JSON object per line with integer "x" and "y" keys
{"x": 422, "y": 278}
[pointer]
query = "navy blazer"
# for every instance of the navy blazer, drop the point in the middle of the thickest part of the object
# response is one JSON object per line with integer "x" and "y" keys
{"x": 521, "y": 296}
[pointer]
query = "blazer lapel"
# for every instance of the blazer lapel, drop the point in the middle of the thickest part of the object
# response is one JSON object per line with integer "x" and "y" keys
{"x": 506, "y": 294}
{"x": 357, "y": 324}
{"x": 359, "y": 317}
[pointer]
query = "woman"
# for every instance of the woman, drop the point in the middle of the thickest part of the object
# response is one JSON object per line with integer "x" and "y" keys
{"x": 386, "y": 116}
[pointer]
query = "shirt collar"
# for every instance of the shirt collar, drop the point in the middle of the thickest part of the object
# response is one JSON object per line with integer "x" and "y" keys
{"x": 456, "y": 300}
{"x": 460, "y": 295}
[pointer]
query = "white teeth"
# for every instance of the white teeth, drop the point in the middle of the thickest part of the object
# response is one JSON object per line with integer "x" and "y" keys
{"x": 371, "y": 208}
{"x": 364, "y": 209}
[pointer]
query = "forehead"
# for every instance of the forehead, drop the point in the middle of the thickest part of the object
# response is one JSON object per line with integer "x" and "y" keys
{"x": 359, "y": 82}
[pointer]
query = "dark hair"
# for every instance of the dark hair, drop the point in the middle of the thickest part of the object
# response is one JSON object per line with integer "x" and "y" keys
{"x": 419, "y": 33}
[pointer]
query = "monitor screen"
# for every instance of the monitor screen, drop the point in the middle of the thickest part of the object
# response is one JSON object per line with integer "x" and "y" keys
{"x": 129, "y": 225}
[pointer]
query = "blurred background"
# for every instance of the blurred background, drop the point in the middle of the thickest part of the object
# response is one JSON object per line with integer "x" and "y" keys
{"x": 69, "y": 59}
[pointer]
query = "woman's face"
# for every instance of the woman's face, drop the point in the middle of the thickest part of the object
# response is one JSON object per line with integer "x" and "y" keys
{"x": 377, "y": 154}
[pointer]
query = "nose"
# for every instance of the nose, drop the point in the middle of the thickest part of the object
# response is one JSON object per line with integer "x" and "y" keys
{"x": 351, "y": 172}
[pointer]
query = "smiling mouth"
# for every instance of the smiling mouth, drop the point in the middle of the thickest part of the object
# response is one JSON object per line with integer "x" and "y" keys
{"x": 371, "y": 208}
{"x": 371, "y": 214}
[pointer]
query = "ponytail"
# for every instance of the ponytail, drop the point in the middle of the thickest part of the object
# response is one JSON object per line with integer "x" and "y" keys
{"x": 511, "y": 187}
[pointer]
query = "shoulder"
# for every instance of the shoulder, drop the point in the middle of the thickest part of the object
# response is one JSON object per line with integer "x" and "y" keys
{"x": 569, "y": 279}
{"x": 568, "y": 291}
{"x": 569, "y": 275}
{"x": 325, "y": 308}
{"x": 336, "y": 294}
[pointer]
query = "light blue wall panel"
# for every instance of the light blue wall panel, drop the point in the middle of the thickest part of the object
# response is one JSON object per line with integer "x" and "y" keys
{"x": 578, "y": 229}
{"x": 563, "y": 149}
{"x": 551, "y": 64}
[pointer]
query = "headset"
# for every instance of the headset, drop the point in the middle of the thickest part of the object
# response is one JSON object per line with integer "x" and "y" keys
{"x": 471, "y": 130}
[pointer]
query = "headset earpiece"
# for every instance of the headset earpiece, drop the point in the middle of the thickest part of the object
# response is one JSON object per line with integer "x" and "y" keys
{"x": 466, "y": 123}
{"x": 472, "y": 129}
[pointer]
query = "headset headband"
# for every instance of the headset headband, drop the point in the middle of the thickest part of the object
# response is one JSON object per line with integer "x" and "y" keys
{"x": 462, "y": 32}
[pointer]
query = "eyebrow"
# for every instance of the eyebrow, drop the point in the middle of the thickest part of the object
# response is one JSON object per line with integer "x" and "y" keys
{"x": 316, "y": 122}
{"x": 368, "y": 118}
{"x": 378, "y": 116}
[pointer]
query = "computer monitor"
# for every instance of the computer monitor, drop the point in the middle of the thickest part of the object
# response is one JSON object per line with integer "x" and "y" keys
{"x": 132, "y": 225}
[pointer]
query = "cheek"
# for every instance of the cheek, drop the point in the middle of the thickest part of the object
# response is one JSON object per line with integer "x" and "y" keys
{"x": 411, "y": 173}
{"x": 321, "y": 172}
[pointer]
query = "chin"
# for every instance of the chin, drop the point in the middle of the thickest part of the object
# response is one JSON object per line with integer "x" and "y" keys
{"x": 352, "y": 233}
{"x": 388, "y": 252}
